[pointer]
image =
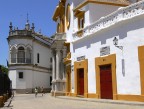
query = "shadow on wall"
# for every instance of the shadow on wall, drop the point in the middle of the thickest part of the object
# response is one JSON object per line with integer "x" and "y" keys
{"x": 119, "y": 29}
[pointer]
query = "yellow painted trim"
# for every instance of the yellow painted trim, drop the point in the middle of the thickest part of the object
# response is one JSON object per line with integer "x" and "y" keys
{"x": 59, "y": 11}
{"x": 111, "y": 59}
{"x": 141, "y": 62}
{"x": 68, "y": 72}
{"x": 55, "y": 16}
{"x": 66, "y": 61}
{"x": 62, "y": 24}
{"x": 131, "y": 97}
{"x": 100, "y": 2}
{"x": 67, "y": 44}
{"x": 68, "y": 16}
{"x": 58, "y": 28}
{"x": 92, "y": 95}
{"x": 80, "y": 15}
{"x": 72, "y": 94}
{"x": 78, "y": 65}
{"x": 80, "y": 32}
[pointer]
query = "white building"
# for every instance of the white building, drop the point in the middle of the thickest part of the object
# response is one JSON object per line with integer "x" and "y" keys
{"x": 29, "y": 59}
{"x": 106, "y": 41}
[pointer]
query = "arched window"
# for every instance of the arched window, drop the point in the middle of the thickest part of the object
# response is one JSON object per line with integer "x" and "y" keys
{"x": 28, "y": 55}
{"x": 21, "y": 55}
{"x": 13, "y": 55}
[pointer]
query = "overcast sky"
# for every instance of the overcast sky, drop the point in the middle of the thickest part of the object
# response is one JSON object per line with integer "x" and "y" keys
{"x": 15, "y": 11}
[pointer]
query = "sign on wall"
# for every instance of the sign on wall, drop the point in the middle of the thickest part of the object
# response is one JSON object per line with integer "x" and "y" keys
{"x": 104, "y": 50}
{"x": 80, "y": 58}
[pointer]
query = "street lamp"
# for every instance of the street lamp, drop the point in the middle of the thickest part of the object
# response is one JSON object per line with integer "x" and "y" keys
{"x": 115, "y": 42}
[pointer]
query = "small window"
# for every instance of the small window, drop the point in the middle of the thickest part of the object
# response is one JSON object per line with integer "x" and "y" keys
{"x": 20, "y": 75}
{"x": 80, "y": 15}
{"x": 38, "y": 58}
{"x": 50, "y": 80}
{"x": 81, "y": 23}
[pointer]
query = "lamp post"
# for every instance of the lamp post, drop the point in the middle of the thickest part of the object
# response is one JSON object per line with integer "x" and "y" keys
{"x": 115, "y": 42}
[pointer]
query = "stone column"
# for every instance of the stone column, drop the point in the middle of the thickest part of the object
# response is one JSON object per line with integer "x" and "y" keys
{"x": 25, "y": 56}
{"x": 64, "y": 56}
{"x": 53, "y": 71}
{"x": 57, "y": 64}
{"x": 53, "y": 67}
{"x": 10, "y": 58}
{"x": 16, "y": 56}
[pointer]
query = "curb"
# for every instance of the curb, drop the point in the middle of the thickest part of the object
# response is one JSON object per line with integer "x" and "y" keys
{"x": 120, "y": 102}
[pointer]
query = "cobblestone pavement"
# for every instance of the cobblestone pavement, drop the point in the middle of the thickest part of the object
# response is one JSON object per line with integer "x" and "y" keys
{"x": 28, "y": 101}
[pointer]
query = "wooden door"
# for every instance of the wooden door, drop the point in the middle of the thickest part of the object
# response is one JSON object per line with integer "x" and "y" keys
{"x": 106, "y": 82}
{"x": 80, "y": 81}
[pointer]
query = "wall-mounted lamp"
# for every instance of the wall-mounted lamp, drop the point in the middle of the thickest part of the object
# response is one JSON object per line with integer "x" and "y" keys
{"x": 115, "y": 42}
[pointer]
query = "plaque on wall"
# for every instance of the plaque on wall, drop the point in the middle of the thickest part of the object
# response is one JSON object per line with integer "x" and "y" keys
{"x": 104, "y": 50}
{"x": 80, "y": 58}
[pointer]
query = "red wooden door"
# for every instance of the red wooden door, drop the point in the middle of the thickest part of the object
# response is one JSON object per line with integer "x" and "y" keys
{"x": 81, "y": 82}
{"x": 106, "y": 82}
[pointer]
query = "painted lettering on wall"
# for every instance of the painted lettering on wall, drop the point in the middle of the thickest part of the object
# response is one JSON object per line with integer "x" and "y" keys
{"x": 104, "y": 50}
{"x": 80, "y": 58}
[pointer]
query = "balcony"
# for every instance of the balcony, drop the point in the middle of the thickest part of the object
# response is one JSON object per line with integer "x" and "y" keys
{"x": 60, "y": 36}
{"x": 20, "y": 32}
{"x": 120, "y": 15}
{"x": 20, "y": 61}
{"x": 67, "y": 59}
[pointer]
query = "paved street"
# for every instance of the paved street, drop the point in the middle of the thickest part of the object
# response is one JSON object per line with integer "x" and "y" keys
{"x": 48, "y": 102}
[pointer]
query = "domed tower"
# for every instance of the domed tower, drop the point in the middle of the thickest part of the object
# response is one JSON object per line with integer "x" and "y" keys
{"x": 29, "y": 59}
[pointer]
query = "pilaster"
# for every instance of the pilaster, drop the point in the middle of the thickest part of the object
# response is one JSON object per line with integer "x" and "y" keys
{"x": 57, "y": 64}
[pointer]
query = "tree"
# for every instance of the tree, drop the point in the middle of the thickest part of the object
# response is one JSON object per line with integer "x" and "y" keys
{"x": 4, "y": 69}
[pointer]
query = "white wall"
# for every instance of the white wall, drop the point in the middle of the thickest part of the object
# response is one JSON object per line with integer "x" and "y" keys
{"x": 45, "y": 52}
{"x": 45, "y": 55}
{"x": 99, "y": 10}
{"x": 32, "y": 77}
{"x": 12, "y": 76}
{"x": 41, "y": 79}
{"x": 93, "y": 12}
{"x": 131, "y": 34}
{"x": 76, "y": 2}
{"x": 21, "y": 41}
{"x": 72, "y": 28}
